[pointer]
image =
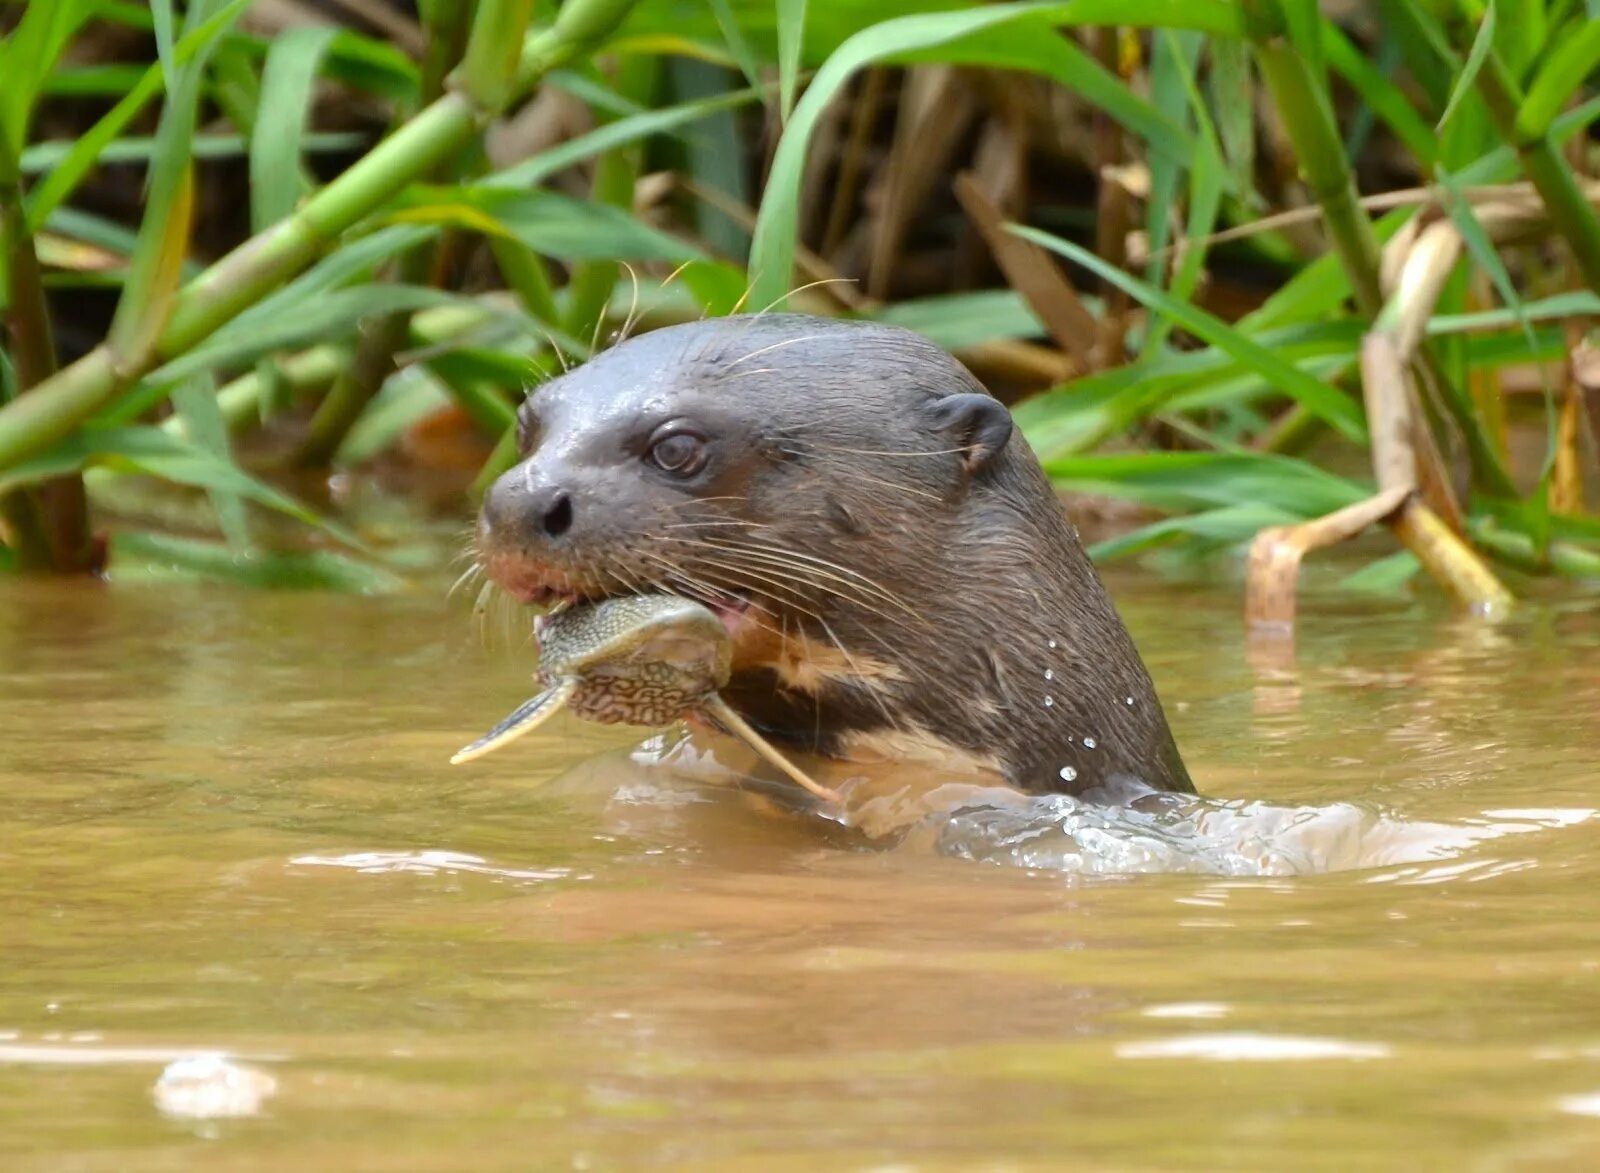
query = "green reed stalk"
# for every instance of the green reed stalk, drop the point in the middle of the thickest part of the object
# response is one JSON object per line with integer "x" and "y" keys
{"x": 1308, "y": 119}
{"x": 1527, "y": 127}
{"x": 447, "y": 28}
{"x": 53, "y": 409}
{"x": 49, "y": 526}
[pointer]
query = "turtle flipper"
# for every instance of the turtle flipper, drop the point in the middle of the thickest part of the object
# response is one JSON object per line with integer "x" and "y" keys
{"x": 525, "y": 718}
{"x": 742, "y": 729}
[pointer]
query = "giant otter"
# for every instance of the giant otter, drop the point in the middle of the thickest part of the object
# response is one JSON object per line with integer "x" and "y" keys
{"x": 896, "y": 572}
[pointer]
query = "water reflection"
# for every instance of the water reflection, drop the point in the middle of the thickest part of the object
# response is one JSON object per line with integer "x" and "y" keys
{"x": 229, "y": 829}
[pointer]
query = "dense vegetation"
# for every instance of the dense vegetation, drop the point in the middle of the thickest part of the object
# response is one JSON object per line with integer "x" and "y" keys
{"x": 1273, "y": 274}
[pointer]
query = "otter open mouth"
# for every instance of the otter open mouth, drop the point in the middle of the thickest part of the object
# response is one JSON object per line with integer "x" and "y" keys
{"x": 550, "y": 590}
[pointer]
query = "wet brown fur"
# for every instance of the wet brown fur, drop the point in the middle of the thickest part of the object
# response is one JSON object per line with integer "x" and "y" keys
{"x": 912, "y": 589}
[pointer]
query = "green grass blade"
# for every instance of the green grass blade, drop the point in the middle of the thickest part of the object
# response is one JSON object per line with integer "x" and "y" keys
{"x": 71, "y": 171}
{"x": 28, "y": 55}
{"x": 791, "y": 39}
{"x": 738, "y": 45}
{"x": 149, "y": 557}
{"x": 1196, "y": 480}
{"x": 777, "y": 223}
{"x": 287, "y": 80}
{"x": 1560, "y": 78}
{"x": 535, "y": 170}
{"x": 1481, "y": 45}
{"x": 196, "y": 401}
{"x": 1386, "y": 99}
{"x": 1327, "y": 403}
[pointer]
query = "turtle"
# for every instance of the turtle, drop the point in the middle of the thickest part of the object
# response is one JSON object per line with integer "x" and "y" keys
{"x": 648, "y": 659}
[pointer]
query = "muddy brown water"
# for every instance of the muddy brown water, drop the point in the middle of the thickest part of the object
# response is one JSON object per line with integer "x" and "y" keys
{"x": 228, "y": 827}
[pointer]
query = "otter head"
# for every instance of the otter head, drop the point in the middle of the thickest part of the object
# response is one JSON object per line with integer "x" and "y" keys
{"x": 884, "y": 551}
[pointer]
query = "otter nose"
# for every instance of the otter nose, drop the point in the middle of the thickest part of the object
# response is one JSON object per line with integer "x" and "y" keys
{"x": 553, "y": 508}
{"x": 519, "y": 505}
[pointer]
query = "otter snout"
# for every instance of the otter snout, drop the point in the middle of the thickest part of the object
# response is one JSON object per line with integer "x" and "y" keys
{"x": 522, "y": 506}
{"x": 524, "y": 531}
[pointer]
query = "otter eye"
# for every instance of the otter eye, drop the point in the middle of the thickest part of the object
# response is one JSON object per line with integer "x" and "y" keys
{"x": 679, "y": 452}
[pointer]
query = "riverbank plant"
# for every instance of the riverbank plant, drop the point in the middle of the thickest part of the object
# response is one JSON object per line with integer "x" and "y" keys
{"x": 1271, "y": 272}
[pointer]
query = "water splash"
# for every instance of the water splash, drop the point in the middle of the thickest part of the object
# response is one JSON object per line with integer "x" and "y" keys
{"x": 1198, "y": 836}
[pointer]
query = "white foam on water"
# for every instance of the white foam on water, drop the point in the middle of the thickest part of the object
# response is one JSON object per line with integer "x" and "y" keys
{"x": 1587, "y": 1104}
{"x": 1200, "y": 836}
{"x": 427, "y": 863}
{"x": 1186, "y": 1010}
{"x": 1247, "y": 1046}
{"x": 211, "y": 1087}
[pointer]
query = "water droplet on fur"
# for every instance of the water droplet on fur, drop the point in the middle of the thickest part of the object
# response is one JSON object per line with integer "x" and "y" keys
{"x": 1049, "y": 673}
{"x": 1129, "y": 701}
{"x": 1052, "y": 643}
{"x": 1068, "y": 774}
{"x": 1088, "y": 743}
{"x": 1048, "y": 701}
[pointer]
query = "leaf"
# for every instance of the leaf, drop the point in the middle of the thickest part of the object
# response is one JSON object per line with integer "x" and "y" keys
{"x": 157, "y": 453}
{"x": 1386, "y": 576}
{"x": 327, "y": 316}
{"x": 28, "y": 55}
{"x": 738, "y": 46}
{"x": 1560, "y": 79}
{"x": 61, "y": 182}
{"x": 535, "y": 170}
{"x": 46, "y": 156}
{"x": 1385, "y": 98}
{"x": 1190, "y": 480}
{"x": 956, "y": 320}
{"x": 1232, "y": 89}
{"x": 162, "y": 557}
{"x": 287, "y": 80}
{"x": 1206, "y": 178}
{"x": 777, "y": 223}
{"x": 196, "y": 401}
{"x": 405, "y": 398}
{"x": 1328, "y": 404}
{"x": 1172, "y": 59}
{"x": 791, "y": 38}
{"x": 555, "y": 225}
{"x": 1481, "y": 44}
{"x": 1225, "y": 526}
{"x": 154, "y": 271}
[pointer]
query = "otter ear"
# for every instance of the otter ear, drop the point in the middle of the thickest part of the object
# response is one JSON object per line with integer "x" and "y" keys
{"x": 977, "y": 424}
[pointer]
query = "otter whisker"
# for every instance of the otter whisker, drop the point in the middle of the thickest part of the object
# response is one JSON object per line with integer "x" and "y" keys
{"x": 705, "y": 587}
{"x": 691, "y": 501}
{"x": 464, "y": 579}
{"x": 774, "y": 346}
{"x": 878, "y": 698}
{"x": 633, "y": 306}
{"x": 805, "y": 577}
{"x": 739, "y": 578}
{"x": 764, "y": 310}
{"x": 792, "y": 557}
{"x": 887, "y": 452}
{"x": 881, "y": 483}
{"x": 719, "y": 522}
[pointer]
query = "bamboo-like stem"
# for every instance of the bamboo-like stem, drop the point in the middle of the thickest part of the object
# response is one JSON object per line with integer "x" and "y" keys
{"x": 60, "y": 403}
{"x": 1451, "y": 562}
{"x": 1542, "y": 161}
{"x": 1308, "y": 118}
{"x": 380, "y": 341}
{"x": 1310, "y": 124}
{"x": 1519, "y": 551}
{"x": 353, "y": 390}
{"x": 49, "y": 527}
{"x": 1113, "y": 216}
